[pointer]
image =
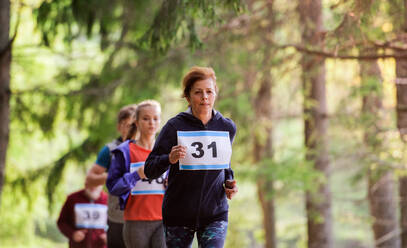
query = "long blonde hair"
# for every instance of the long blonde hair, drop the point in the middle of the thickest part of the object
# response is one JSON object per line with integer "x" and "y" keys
{"x": 146, "y": 103}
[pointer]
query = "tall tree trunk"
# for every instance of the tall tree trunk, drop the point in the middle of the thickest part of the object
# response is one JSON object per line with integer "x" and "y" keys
{"x": 403, "y": 210}
{"x": 263, "y": 144}
{"x": 5, "y": 60}
{"x": 380, "y": 181}
{"x": 401, "y": 87}
{"x": 318, "y": 202}
{"x": 263, "y": 149}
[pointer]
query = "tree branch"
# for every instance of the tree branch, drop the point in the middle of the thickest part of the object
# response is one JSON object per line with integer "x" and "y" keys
{"x": 329, "y": 54}
{"x": 86, "y": 91}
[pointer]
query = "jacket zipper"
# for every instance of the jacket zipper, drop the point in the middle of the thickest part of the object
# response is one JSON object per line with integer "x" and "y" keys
{"x": 197, "y": 222}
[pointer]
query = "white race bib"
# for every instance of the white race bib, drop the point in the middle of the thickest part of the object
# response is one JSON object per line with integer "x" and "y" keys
{"x": 91, "y": 216}
{"x": 147, "y": 186}
{"x": 206, "y": 150}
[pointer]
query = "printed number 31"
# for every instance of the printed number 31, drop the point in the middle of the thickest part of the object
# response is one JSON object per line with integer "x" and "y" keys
{"x": 200, "y": 152}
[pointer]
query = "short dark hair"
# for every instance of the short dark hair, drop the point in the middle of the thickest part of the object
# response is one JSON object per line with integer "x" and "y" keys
{"x": 128, "y": 111}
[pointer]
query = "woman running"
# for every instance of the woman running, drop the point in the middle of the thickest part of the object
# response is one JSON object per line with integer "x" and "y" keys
{"x": 196, "y": 147}
{"x": 141, "y": 198}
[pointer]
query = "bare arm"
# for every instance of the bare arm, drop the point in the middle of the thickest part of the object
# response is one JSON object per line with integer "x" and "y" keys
{"x": 97, "y": 175}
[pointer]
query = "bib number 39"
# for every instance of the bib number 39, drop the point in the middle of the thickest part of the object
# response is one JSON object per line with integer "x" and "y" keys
{"x": 89, "y": 215}
{"x": 200, "y": 152}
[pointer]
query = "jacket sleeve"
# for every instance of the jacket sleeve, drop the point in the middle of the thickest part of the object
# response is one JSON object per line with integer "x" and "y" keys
{"x": 158, "y": 160}
{"x": 119, "y": 181}
{"x": 229, "y": 175}
{"x": 64, "y": 222}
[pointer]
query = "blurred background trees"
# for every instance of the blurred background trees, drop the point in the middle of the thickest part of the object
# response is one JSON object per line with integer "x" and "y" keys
{"x": 316, "y": 88}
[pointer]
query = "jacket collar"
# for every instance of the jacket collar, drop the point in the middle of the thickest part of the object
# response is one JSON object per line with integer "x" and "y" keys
{"x": 189, "y": 111}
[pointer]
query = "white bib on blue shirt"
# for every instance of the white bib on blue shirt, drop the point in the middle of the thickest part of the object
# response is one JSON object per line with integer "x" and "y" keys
{"x": 206, "y": 150}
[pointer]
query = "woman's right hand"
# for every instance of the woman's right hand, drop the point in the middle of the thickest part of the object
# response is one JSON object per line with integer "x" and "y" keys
{"x": 79, "y": 235}
{"x": 177, "y": 152}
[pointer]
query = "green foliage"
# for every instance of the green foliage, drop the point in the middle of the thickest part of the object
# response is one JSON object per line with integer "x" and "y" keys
{"x": 177, "y": 18}
{"x": 101, "y": 56}
{"x": 395, "y": 11}
{"x": 77, "y": 17}
{"x": 244, "y": 229}
{"x": 291, "y": 173}
{"x": 173, "y": 20}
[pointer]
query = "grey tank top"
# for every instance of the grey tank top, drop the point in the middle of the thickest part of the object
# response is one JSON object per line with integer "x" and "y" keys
{"x": 113, "y": 207}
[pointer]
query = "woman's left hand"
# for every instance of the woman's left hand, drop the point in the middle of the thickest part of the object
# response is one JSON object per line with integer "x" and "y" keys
{"x": 140, "y": 172}
{"x": 231, "y": 190}
{"x": 103, "y": 237}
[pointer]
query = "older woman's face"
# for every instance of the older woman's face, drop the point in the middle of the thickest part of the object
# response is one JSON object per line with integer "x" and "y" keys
{"x": 202, "y": 96}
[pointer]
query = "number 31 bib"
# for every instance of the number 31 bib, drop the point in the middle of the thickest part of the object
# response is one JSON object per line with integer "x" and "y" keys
{"x": 206, "y": 150}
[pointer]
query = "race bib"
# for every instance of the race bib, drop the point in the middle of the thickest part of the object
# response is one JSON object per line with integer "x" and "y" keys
{"x": 91, "y": 216}
{"x": 206, "y": 150}
{"x": 147, "y": 186}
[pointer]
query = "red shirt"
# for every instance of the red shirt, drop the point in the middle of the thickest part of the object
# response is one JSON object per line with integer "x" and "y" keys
{"x": 66, "y": 221}
{"x": 142, "y": 207}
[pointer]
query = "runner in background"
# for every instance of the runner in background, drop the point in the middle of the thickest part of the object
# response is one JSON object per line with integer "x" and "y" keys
{"x": 196, "y": 147}
{"x": 83, "y": 218}
{"x": 140, "y": 198}
{"x": 98, "y": 173}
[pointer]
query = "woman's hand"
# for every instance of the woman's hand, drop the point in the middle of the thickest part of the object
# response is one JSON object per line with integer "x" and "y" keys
{"x": 177, "y": 152}
{"x": 79, "y": 235}
{"x": 230, "y": 188}
{"x": 140, "y": 172}
{"x": 103, "y": 237}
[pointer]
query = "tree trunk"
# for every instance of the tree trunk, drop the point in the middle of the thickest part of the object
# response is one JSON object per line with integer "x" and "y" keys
{"x": 383, "y": 209}
{"x": 380, "y": 181}
{"x": 318, "y": 202}
{"x": 263, "y": 148}
{"x": 403, "y": 210}
{"x": 5, "y": 60}
{"x": 401, "y": 87}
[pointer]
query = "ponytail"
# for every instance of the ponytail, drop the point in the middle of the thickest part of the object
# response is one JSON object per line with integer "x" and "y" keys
{"x": 132, "y": 132}
{"x": 133, "y": 128}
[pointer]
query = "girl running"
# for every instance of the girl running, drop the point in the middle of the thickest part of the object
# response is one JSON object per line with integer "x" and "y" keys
{"x": 141, "y": 198}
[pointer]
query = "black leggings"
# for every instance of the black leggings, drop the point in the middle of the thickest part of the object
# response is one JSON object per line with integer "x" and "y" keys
{"x": 115, "y": 235}
{"x": 212, "y": 235}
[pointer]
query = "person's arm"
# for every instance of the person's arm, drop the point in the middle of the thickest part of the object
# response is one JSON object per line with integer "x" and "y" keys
{"x": 96, "y": 176}
{"x": 119, "y": 181}
{"x": 229, "y": 175}
{"x": 230, "y": 188}
{"x": 64, "y": 222}
{"x": 158, "y": 160}
{"x": 230, "y": 184}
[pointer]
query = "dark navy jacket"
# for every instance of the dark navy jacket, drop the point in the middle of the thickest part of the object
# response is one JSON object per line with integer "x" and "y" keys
{"x": 120, "y": 181}
{"x": 193, "y": 197}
